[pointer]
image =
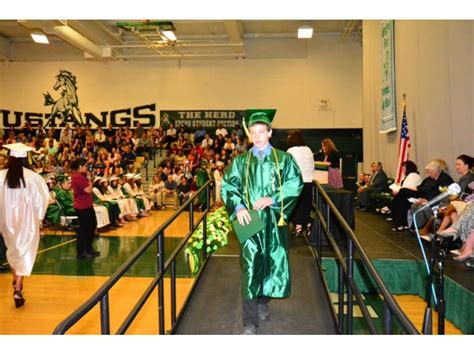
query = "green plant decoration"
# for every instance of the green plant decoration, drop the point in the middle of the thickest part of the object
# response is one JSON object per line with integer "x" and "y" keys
{"x": 218, "y": 227}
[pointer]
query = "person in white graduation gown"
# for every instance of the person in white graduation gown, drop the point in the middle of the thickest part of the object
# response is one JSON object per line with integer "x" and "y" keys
{"x": 24, "y": 199}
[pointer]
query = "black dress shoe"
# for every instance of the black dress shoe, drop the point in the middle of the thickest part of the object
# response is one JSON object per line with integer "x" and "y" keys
{"x": 94, "y": 252}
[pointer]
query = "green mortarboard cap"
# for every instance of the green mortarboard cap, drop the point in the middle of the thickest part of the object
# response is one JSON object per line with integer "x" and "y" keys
{"x": 62, "y": 178}
{"x": 259, "y": 115}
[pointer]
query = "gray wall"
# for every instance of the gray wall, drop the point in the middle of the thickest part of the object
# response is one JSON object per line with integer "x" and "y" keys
{"x": 434, "y": 68}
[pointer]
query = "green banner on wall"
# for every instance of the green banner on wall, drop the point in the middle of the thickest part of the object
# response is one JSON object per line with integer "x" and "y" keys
{"x": 388, "y": 118}
{"x": 208, "y": 119}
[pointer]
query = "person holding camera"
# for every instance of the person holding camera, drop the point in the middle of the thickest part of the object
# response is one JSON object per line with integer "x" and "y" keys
{"x": 83, "y": 204}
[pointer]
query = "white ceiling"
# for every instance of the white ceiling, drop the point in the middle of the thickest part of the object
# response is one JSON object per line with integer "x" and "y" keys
{"x": 196, "y": 39}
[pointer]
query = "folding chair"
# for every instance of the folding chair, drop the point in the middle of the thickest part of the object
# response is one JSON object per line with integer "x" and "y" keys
{"x": 67, "y": 223}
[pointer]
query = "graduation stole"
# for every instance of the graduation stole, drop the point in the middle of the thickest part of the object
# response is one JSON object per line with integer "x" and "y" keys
{"x": 281, "y": 222}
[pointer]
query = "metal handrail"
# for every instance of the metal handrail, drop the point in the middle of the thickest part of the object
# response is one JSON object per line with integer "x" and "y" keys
{"x": 346, "y": 267}
{"x": 101, "y": 295}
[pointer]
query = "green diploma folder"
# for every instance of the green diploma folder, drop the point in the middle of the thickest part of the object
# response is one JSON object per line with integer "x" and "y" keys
{"x": 245, "y": 231}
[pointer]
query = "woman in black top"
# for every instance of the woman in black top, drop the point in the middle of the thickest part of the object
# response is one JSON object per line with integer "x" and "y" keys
{"x": 331, "y": 155}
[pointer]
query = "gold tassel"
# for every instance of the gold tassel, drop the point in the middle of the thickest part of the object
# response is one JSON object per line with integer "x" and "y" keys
{"x": 281, "y": 222}
{"x": 246, "y": 130}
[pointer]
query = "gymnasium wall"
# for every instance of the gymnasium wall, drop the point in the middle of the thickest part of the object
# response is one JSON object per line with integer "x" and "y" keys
{"x": 288, "y": 75}
{"x": 434, "y": 68}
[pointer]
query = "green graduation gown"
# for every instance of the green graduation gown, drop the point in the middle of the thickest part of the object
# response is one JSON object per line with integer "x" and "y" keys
{"x": 202, "y": 178}
{"x": 264, "y": 256}
{"x": 66, "y": 200}
{"x": 53, "y": 213}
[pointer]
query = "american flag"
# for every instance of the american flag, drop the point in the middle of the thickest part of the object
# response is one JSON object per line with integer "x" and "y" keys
{"x": 403, "y": 146}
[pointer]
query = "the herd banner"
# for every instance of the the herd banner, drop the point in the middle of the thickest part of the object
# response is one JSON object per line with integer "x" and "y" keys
{"x": 208, "y": 119}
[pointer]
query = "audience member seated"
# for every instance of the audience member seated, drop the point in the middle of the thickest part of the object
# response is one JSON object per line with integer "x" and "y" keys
{"x": 207, "y": 142}
{"x": 138, "y": 191}
{"x": 378, "y": 183}
{"x": 200, "y": 134}
{"x": 400, "y": 205}
{"x": 102, "y": 199}
{"x": 170, "y": 190}
{"x": 464, "y": 164}
{"x": 128, "y": 205}
{"x": 144, "y": 145}
{"x": 128, "y": 189}
{"x": 155, "y": 191}
{"x": 240, "y": 147}
{"x": 430, "y": 188}
{"x": 171, "y": 135}
{"x": 183, "y": 189}
{"x": 128, "y": 157}
{"x": 463, "y": 228}
{"x": 363, "y": 180}
{"x": 221, "y": 131}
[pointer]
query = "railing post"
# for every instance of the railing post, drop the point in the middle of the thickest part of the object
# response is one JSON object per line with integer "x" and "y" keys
{"x": 441, "y": 302}
{"x": 173, "y": 293}
{"x": 328, "y": 218}
{"x": 104, "y": 315}
{"x": 204, "y": 226}
{"x": 204, "y": 236}
{"x": 191, "y": 215}
{"x": 340, "y": 291}
{"x": 319, "y": 244}
{"x": 350, "y": 272}
{"x": 161, "y": 295}
{"x": 320, "y": 241}
{"x": 146, "y": 167}
{"x": 387, "y": 319}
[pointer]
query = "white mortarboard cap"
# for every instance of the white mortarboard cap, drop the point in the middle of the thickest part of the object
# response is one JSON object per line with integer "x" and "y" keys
{"x": 137, "y": 177}
{"x": 129, "y": 175}
{"x": 18, "y": 150}
{"x": 113, "y": 177}
{"x": 97, "y": 178}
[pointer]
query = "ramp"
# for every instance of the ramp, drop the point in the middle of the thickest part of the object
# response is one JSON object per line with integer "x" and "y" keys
{"x": 216, "y": 304}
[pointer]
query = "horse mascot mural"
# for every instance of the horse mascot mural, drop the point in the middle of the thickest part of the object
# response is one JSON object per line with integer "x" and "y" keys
{"x": 67, "y": 106}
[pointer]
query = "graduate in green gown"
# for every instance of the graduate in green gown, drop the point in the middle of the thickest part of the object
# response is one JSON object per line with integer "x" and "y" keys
{"x": 269, "y": 181}
{"x": 65, "y": 196}
{"x": 201, "y": 178}
{"x": 53, "y": 212}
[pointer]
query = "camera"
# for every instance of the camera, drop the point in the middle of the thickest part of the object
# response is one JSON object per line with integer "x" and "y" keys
{"x": 90, "y": 167}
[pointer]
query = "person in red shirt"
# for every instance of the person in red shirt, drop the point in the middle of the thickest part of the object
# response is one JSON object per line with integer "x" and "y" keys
{"x": 83, "y": 204}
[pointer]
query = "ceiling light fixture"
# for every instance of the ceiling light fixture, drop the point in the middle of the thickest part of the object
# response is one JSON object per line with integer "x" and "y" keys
{"x": 305, "y": 32}
{"x": 39, "y": 37}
